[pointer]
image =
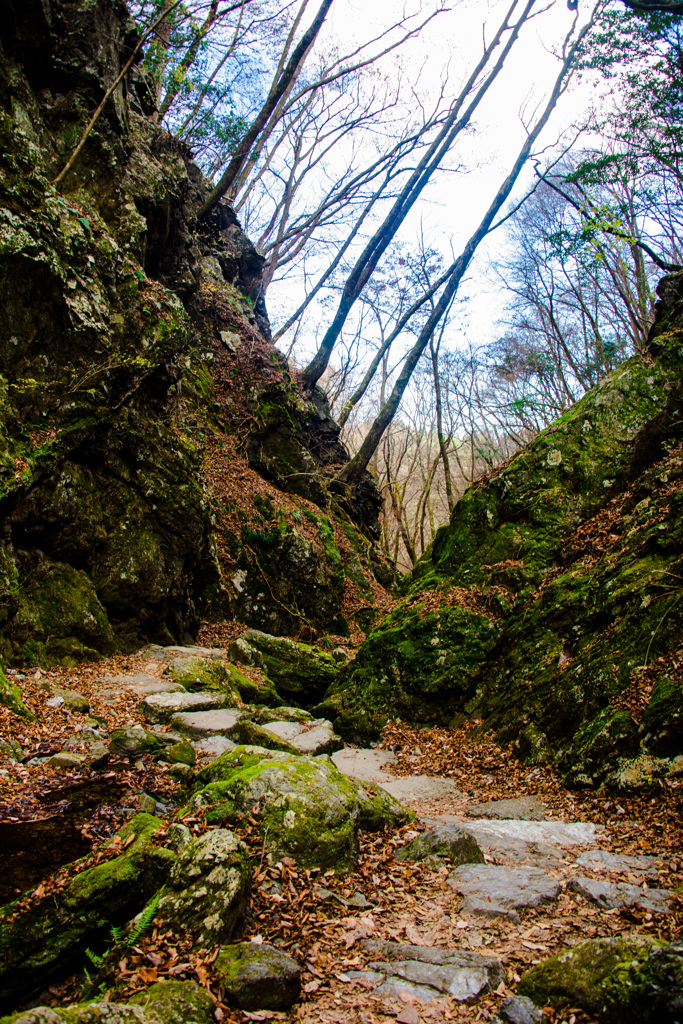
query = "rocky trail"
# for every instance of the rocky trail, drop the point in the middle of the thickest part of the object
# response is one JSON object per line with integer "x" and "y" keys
{"x": 298, "y": 878}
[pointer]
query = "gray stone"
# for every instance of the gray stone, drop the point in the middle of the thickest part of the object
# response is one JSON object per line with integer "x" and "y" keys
{"x": 601, "y": 860}
{"x": 258, "y": 976}
{"x": 430, "y": 973}
{"x": 213, "y": 746}
{"x": 73, "y": 700}
{"x": 496, "y": 834}
{"x": 132, "y": 742}
{"x": 243, "y": 653}
{"x": 141, "y": 683}
{"x": 620, "y": 894}
{"x": 316, "y": 738}
{"x": 67, "y": 759}
{"x": 208, "y": 892}
{"x": 497, "y": 891}
{"x": 520, "y": 1010}
{"x": 207, "y": 723}
{"x": 525, "y": 808}
{"x": 146, "y": 804}
{"x": 160, "y": 707}
{"x": 416, "y": 788}
{"x": 443, "y": 840}
{"x": 367, "y": 765}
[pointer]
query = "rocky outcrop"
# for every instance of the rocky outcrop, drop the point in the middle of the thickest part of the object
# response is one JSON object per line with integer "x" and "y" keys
{"x": 129, "y": 338}
{"x": 549, "y": 603}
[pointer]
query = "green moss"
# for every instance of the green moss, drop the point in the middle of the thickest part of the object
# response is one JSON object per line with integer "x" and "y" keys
{"x": 10, "y": 697}
{"x": 176, "y": 1002}
{"x": 577, "y": 977}
{"x": 44, "y": 939}
{"x": 305, "y": 808}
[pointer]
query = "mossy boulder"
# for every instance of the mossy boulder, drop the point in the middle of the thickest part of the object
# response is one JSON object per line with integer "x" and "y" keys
{"x": 195, "y": 674}
{"x": 443, "y": 841}
{"x": 305, "y": 807}
{"x": 38, "y": 942}
{"x": 175, "y": 1002}
{"x": 258, "y": 976}
{"x": 133, "y": 741}
{"x": 301, "y": 673}
{"x": 420, "y": 663}
{"x": 10, "y": 697}
{"x": 166, "y": 1002}
{"x": 208, "y": 890}
{"x": 581, "y": 975}
{"x": 646, "y": 990}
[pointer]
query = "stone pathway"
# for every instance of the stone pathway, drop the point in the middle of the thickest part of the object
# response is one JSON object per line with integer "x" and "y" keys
{"x": 503, "y": 858}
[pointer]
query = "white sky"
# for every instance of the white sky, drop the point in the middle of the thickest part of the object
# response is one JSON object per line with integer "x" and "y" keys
{"x": 453, "y": 204}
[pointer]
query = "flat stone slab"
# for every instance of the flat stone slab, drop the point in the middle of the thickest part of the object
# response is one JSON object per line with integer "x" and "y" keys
{"x": 160, "y": 707}
{"x": 494, "y": 834}
{"x": 140, "y": 683}
{"x": 601, "y": 860}
{"x": 415, "y": 788}
{"x": 525, "y": 808}
{"x": 497, "y": 891}
{"x": 213, "y": 746}
{"x": 207, "y": 723}
{"x": 366, "y": 765}
{"x": 316, "y": 738}
{"x": 620, "y": 894}
{"x": 153, "y": 652}
{"x": 429, "y": 973}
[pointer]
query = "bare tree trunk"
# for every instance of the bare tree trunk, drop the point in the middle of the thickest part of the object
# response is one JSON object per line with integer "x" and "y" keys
{"x": 278, "y": 90}
{"x": 454, "y": 124}
{"x": 353, "y": 471}
{"x": 443, "y": 447}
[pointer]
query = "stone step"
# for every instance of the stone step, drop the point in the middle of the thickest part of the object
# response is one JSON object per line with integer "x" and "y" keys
{"x": 316, "y": 737}
{"x": 364, "y": 764}
{"x": 207, "y": 723}
{"x": 160, "y": 707}
{"x": 497, "y": 891}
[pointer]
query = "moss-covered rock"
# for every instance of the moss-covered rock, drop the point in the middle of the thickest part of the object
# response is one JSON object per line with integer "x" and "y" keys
{"x": 175, "y": 1002}
{"x": 257, "y": 976}
{"x": 208, "y": 891}
{"x": 546, "y": 596}
{"x": 50, "y": 935}
{"x": 305, "y": 807}
{"x": 300, "y": 673}
{"x": 167, "y": 1002}
{"x": 578, "y": 976}
{"x": 133, "y": 741}
{"x": 443, "y": 841}
{"x": 10, "y": 697}
{"x": 645, "y": 990}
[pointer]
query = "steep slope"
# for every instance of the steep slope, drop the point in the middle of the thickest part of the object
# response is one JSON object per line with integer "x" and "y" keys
{"x": 550, "y": 606}
{"x": 134, "y": 345}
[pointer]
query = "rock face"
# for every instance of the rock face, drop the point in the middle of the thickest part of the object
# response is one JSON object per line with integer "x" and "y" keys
{"x": 117, "y": 356}
{"x": 540, "y": 602}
